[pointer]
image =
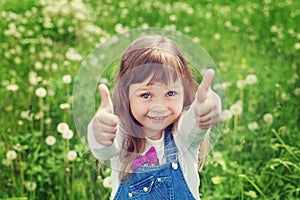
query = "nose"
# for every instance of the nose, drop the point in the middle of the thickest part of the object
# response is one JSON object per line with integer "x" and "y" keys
{"x": 159, "y": 105}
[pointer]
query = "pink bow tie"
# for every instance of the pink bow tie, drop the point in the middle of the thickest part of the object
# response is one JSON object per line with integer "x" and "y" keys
{"x": 149, "y": 157}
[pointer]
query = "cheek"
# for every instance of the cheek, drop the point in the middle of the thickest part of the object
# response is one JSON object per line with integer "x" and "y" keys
{"x": 137, "y": 109}
{"x": 177, "y": 106}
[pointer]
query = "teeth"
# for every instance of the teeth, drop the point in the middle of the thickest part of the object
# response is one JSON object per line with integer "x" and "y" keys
{"x": 157, "y": 118}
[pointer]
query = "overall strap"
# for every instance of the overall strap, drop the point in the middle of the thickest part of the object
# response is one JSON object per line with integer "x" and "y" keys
{"x": 171, "y": 150}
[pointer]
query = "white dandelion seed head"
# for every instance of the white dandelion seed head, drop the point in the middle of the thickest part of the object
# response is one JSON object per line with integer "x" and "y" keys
{"x": 253, "y": 126}
{"x": 62, "y": 127}
{"x": 297, "y": 46}
{"x": 12, "y": 87}
{"x": 6, "y": 162}
{"x": 11, "y": 155}
{"x": 284, "y": 96}
{"x": 38, "y": 65}
{"x": 241, "y": 84}
{"x": 67, "y": 79}
{"x": 268, "y": 117}
{"x": 72, "y": 155}
{"x": 226, "y": 115}
{"x": 297, "y": 91}
{"x": 236, "y": 109}
{"x": 251, "y": 79}
{"x": 217, "y": 36}
{"x": 68, "y": 134}
{"x": 64, "y": 106}
{"x": 73, "y": 55}
{"x": 40, "y": 92}
{"x": 31, "y": 186}
{"x": 217, "y": 155}
{"x": 50, "y": 140}
{"x": 107, "y": 182}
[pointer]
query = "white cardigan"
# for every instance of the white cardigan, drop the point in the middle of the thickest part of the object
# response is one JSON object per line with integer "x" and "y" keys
{"x": 187, "y": 138}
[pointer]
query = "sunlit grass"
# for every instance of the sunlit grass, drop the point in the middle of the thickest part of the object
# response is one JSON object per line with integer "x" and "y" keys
{"x": 254, "y": 44}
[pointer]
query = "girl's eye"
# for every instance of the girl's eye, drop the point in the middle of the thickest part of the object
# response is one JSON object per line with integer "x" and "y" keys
{"x": 171, "y": 93}
{"x": 146, "y": 96}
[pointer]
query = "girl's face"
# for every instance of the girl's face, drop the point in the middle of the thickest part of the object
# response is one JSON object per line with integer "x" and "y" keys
{"x": 155, "y": 105}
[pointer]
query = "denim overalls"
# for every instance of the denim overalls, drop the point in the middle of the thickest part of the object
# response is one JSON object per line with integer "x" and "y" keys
{"x": 157, "y": 182}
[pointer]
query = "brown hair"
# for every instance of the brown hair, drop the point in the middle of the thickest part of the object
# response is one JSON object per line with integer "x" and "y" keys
{"x": 148, "y": 56}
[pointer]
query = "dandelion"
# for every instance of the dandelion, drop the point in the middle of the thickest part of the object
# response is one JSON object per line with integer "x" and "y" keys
{"x": 62, "y": 127}
{"x": 217, "y": 36}
{"x": 38, "y": 66}
{"x": 17, "y": 60}
{"x": 39, "y": 115}
{"x": 187, "y": 29}
{"x": 73, "y": 54}
{"x": 196, "y": 39}
{"x": 72, "y": 155}
{"x": 173, "y": 17}
{"x": 241, "y": 84}
{"x": 50, "y": 140}
{"x": 40, "y": 92}
{"x": 268, "y": 118}
{"x": 54, "y": 66}
{"x": 284, "y": 96}
{"x": 33, "y": 78}
{"x": 31, "y": 186}
{"x": 217, "y": 155}
{"x": 226, "y": 115}
{"x": 11, "y": 155}
{"x": 51, "y": 92}
{"x": 251, "y": 79}
{"x": 67, "y": 79}
{"x": 64, "y": 106}
{"x": 68, "y": 134}
{"x": 99, "y": 178}
{"x": 236, "y": 109}
{"x": 297, "y": 91}
{"x": 208, "y": 15}
{"x": 6, "y": 162}
{"x": 297, "y": 46}
{"x": 26, "y": 115}
{"x": 119, "y": 28}
{"x": 107, "y": 182}
{"x": 9, "y": 108}
{"x": 48, "y": 121}
{"x": 228, "y": 24}
{"x": 253, "y": 126}
{"x": 12, "y": 87}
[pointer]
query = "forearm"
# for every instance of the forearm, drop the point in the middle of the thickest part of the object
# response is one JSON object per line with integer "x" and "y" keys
{"x": 188, "y": 131}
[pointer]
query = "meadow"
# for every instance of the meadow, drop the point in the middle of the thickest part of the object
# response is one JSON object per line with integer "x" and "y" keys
{"x": 254, "y": 44}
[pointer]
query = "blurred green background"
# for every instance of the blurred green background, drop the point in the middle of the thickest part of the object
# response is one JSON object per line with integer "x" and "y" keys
{"x": 255, "y": 45}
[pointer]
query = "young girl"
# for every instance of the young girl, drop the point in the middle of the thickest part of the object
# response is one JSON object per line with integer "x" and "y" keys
{"x": 155, "y": 124}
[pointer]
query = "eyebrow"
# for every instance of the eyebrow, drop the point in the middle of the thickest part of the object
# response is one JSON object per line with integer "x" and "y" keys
{"x": 148, "y": 87}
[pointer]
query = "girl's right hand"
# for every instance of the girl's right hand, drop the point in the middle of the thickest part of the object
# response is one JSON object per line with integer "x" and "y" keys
{"x": 105, "y": 123}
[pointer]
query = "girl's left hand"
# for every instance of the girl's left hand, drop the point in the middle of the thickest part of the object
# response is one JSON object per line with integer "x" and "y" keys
{"x": 208, "y": 111}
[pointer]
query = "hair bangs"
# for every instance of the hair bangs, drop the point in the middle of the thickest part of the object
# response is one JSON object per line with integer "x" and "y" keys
{"x": 158, "y": 65}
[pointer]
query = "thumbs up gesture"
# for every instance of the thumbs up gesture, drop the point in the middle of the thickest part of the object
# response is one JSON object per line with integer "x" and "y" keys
{"x": 105, "y": 123}
{"x": 208, "y": 110}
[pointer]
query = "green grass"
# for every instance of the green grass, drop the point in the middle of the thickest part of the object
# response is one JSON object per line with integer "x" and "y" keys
{"x": 242, "y": 37}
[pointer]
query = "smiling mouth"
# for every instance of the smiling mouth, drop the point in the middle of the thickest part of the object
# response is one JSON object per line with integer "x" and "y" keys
{"x": 157, "y": 119}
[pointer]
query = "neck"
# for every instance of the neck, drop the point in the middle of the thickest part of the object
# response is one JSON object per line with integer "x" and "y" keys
{"x": 153, "y": 135}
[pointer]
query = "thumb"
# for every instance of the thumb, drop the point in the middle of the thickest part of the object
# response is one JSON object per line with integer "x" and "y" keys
{"x": 204, "y": 86}
{"x": 106, "y": 102}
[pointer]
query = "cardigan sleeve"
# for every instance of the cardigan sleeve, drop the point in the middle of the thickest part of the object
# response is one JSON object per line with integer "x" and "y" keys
{"x": 188, "y": 134}
{"x": 100, "y": 151}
